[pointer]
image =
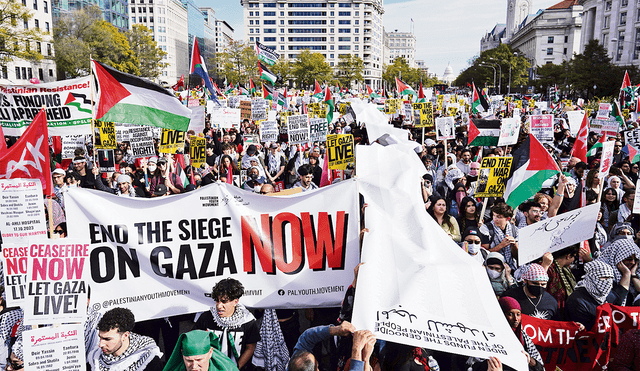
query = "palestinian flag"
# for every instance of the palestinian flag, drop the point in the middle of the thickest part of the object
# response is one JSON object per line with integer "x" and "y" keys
{"x": 244, "y": 91}
{"x": 179, "y": 84}
{"x": 632, "y": 152}
{"x": 252, "y": 87}
{"x": 404, "y": 89}
{"x": 421, "y": 98}
{"x": 282, "y": 98}
{"x": 599, "y": 144}
{"x": 484, "y": 132}
{"x": 267, "y": 92}
{"x": 372, "y": 94}
{"x": 180, "y": 166}
{"x": 329, "y": 102}
{"x": 126, "y": 98}
{"x": 317, "y": 92}
{"x": 199, "y": 68}
{"x": 532, "y": 165}
{"x": 616, "y": 114}
{"x": 478, "y": 102}
{"x": 265, "y": 74}
{"x": 79, "y": 101}
{"x": 266, "y": 54}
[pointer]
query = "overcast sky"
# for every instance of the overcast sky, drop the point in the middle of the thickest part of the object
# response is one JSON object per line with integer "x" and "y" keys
{"x": 446, "y": 31}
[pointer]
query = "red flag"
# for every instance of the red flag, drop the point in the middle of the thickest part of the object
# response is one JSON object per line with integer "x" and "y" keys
{"x": 325, "y": 178}
{"x": 179, "y": 84}
{"x": 579, "y": 149}
{"x": 318, "y": 89}
{"x": 230, "y": 175}
{"x": 29, "y": 157}
{"x": 421, "y": 93}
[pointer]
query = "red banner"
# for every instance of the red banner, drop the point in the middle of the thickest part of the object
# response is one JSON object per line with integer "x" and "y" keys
{"x": 560, "y": 344}
{"x": 29, "y": 157}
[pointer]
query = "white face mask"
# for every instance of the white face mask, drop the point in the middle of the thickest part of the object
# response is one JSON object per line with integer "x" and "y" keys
{"x": 493, "y": 274}
{"x": 473, "y": 248}
{"x": 152, "y": 168}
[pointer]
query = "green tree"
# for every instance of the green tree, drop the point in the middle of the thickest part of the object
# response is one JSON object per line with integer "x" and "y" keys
{"x": 283, "y": 68}
{"x": 551, "y": 75}
{"x": 81, "y": 35}
{"x": 309, "y": 67}
{"x": 401, "y": 69}
{"x": 146, "y": 50}
{"x": 238, "y": 62}
{"x": 349, "y": 69}
{"x": 15, "y": 40}
{"x": 514, "y": 69}
{"x": 592, "y": 67}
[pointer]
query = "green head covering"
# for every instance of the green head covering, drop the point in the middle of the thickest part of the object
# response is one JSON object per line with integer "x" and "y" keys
{"x": 195, "y": 343}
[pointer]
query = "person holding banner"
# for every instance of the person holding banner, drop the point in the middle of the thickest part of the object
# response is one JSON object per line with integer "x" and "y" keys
{"x": 513, "y": 312}
{"x": 306, "y": 178}
{"x": 231, "y": 322}
{"x": 164, "y": 176}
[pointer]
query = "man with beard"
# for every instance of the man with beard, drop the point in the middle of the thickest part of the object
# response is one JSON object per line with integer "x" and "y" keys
{"x": 533, "y": 297}
{"x": 121, "y": 349}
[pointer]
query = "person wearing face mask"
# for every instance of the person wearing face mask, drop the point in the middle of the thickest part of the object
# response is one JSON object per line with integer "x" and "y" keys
{"x": 472, "y": 244}
{"x": 593, "y": 290}
{"x": 499, "y": 273}
{"x": 255, "y": 181}
{"x": 618, "y": 231}
{"x": 533, "y": 298}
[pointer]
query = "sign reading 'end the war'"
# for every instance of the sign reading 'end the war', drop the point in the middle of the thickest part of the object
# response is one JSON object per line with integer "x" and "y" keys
{"x": 494, "y": 172}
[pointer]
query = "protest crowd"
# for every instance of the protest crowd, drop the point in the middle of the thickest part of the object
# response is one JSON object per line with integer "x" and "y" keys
{"x": 555, "y": 166}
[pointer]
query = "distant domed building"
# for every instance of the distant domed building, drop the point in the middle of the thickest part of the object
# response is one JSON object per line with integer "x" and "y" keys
{"x": 448, "y": 76}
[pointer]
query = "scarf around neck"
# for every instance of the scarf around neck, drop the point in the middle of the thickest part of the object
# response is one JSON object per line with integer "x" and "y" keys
{"x": 141, "y": 350}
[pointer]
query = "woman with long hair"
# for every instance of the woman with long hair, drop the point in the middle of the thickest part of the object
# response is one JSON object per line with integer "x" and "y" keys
{"x": 439, "y": 210}
{"x": 226, "y": 169}
{"x": 468, "y": 214}
{"x": 610, "y": 203}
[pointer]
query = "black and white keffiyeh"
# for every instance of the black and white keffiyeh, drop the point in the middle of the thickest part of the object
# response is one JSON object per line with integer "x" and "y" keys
{"x": 274, "y": 164}
{"x": 239, "y": 317}
{"x": 140, "y": 352}
{"x": 593, "y": 282}
{"x": 91, "y": 338}
{"x": 618, "y": 251}
{"x": 498, "y": 236}
{"x": 271, "y": 351}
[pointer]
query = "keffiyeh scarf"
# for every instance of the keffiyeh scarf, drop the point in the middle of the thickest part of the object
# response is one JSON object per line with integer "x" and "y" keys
{"x": 271, "y": 351}
{"x": 237, "y": 319}
{"x": 141, "y": 350}
{"x": 592, "y": 281}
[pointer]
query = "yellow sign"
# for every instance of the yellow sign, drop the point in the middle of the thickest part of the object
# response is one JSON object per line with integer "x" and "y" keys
{"x": 453, "y": 111}
{"x": 625, "y": 113}
{"x": 390, "y": 106}
{"x": 316, "y": 110}
{"x": 423, "y": 115}
{"x": 532, "y": 103}
{"x": 104, "y": 134}
{"x": 340, "y": 151}
{"x": 492, "y": 180}
{"x": 519, "y": 104}
{"x": 171, "y": 141}
{"x": 197, "y": 151}
{"x": 342, "y": 107}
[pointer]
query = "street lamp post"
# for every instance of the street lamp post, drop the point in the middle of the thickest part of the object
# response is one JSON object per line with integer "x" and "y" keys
{"x": 494, "y": 73}
{"x": 499, "y": 81}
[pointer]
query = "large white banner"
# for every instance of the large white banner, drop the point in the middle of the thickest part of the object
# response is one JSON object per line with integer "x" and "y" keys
{"x": 160, "y": 257}
{"x": 417, "y": 286}
{"x": 556, "y": 233}
{"x": 67, "y": 103}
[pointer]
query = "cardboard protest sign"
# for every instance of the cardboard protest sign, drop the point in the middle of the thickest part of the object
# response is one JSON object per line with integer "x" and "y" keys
{"x": 245, "y": 109}
{"x": 141, "y": 142}
{"x": 197, "y": 151}
{"x": 492, "y": 180}
{"x": 258, "y": 109}
{"x": 556, "y": 233}
{"x": 465, "y": 118}
{"x": 509, "y": 131}
{"x": 390, "y": 106}
{"x": 21, "y": 210}
{"x": 54, "y": 348}
{"x": 15, "y": 262}
{"x": 67, "y": 104}
{"x": 298, "y": 126}
{"x": 104, "y": 134}
{"x": 318, "y": 129}
{"x": 185, "y": 243}
{"x": 632, "y": 137}
{"x": 56, "y": 289}
{"x": 171, "y": 141}
{"x": 70, "y": 143}
{"x": 122, "y": 132}
{"x": 606, "y": 158}
{"x": 542, "y": 127}
{"x": 407, "y": 112}
{"x": 269, "y": 131}
{"x": 340, "y": 151}
{"x": 106, "y": 160}
{"x": 445, "y": 128}
{"x": 605, "y": 127}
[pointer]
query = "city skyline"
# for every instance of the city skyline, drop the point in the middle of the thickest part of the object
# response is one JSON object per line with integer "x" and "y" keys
{"x": 438, "y": 41}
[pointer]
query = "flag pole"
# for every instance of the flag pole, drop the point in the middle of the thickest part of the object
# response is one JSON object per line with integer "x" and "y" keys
{"x": 93, "y": 132}
{"x": 484, "y": 209}
{"x": 50, "y": 202}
